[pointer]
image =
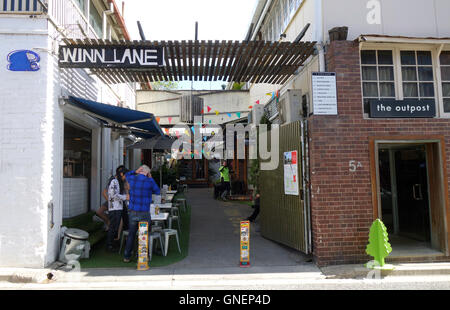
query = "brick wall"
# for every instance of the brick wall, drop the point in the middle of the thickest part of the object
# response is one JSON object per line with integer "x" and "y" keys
{"x": 341, "y": 202}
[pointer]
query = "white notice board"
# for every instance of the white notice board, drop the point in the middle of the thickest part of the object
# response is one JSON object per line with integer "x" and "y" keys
{"x": 290, "y": 173}
{"x": 324, "y": 93}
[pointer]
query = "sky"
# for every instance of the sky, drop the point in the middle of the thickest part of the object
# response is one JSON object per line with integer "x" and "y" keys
{"x": 175, "y": 20}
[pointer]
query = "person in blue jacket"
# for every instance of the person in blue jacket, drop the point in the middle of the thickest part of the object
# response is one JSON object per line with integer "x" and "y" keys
{"x": 141, "y": 188}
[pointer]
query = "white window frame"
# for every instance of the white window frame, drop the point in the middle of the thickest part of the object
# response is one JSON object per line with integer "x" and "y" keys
{"x": 378, "y": 81}
{"x": 441, "y": 88}
{"x": 435, "y": 50}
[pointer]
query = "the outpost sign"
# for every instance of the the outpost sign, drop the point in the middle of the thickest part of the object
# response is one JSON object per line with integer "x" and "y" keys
{"x": 111, "y": 57}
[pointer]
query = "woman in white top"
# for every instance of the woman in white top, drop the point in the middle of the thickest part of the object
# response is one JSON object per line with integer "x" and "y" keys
{"x": 116, "y": 198}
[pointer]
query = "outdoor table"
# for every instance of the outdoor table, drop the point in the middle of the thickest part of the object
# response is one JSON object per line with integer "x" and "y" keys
{"x": 171, "y": 192}
{"x": 167, "y": 205}
{"x": 169, "y": 197}
{"x": 162, "y": 216}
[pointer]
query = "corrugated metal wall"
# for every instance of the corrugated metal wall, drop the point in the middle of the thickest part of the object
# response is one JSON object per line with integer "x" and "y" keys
{"x": 284, "y": 217}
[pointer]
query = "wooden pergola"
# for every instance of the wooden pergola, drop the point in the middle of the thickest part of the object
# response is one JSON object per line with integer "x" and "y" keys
{"x": 230, "y": 61}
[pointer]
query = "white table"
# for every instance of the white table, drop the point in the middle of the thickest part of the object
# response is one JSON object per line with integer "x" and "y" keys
{"x": 167, "y": 205}
{"x": 171, "y": 192}
{"x": 162, "y": 216}
{"x": 169, "y": 197}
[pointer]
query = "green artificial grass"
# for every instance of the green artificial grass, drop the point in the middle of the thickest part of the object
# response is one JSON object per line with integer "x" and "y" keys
{"x": 100, "y": 258}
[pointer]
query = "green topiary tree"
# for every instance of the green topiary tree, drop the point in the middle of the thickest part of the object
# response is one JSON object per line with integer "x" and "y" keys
{"x": 378, "y": 246}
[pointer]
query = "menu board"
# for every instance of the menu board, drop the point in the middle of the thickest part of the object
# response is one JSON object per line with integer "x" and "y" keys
{"x": 143, "y": 246}
{"x": 245, "y": 244}
{"x": 324, "y": 93}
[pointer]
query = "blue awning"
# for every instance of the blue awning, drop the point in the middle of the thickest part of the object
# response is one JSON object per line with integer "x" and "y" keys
{"x": 121, "y": 116}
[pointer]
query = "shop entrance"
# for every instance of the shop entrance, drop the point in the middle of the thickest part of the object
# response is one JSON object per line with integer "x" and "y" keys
{"x": 410, "y": 197}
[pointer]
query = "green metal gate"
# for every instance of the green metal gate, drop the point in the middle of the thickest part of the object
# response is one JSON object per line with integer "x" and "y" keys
{"x": 285, "y": 218}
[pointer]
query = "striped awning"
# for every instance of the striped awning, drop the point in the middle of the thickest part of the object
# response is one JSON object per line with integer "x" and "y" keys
{"x": 230, "y": 61}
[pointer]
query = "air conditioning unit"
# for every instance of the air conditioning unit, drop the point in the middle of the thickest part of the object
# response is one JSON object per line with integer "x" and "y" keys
{"x": 190, "y": 106}
{"x": 255, "y": 115}
{"x": 290, "y": 106}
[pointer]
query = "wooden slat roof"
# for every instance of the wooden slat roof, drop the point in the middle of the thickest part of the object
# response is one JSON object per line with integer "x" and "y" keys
{"x": 230, "y": 61}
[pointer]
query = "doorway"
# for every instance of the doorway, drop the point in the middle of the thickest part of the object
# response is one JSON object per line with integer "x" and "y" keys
{"x": 411, "y": 199}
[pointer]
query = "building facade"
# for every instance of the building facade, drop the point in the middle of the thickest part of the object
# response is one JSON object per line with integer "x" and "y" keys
{"x": 385, "y": 154}
{"x": 55, "y": 159}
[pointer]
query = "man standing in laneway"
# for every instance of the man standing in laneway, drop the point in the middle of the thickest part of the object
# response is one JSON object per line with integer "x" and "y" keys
{"x": 142, "y": 186}
{"x": 225, "y": 179}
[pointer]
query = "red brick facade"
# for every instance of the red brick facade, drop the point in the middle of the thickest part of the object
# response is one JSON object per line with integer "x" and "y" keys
{"x": 341, "y": 203}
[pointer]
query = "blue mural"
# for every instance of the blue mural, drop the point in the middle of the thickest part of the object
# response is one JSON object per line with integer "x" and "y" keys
{"x": 23, "y": 60}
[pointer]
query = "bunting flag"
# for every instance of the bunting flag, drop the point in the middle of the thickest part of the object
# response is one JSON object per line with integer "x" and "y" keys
{"x": 257, "y": 101}
{"x": 186, "y": 132}
{"x": 269, "y": 94}
{"x": 278, "y": 94}
{"x": 209, "y": 108}
{"x": 217, "y": 112}
{"x": 250, "y": 107}
{"x": 158, "y": 119}
{"x": 202, "y": 112}
{"x": 210, "y": 121}
{"x": 229, "y": 114}
{"x": 238, "y": 114}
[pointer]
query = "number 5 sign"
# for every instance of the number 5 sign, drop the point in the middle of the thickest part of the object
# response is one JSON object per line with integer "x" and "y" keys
{"x": 354, "y": 165}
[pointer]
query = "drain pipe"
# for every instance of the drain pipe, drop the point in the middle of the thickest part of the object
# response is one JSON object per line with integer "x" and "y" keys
{"x": 319, "y": 38}
{"x": 261, "y": 18}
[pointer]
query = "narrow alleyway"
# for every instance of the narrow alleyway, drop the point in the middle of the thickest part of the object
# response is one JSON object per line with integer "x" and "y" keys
{"x": 214, "y": 239}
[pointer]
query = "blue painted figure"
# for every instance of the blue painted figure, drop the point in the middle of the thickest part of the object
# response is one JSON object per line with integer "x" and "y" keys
{"x": 23, "y": 60}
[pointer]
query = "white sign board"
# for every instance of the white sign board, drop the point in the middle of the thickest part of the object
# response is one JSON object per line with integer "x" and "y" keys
{"x": 290, "y": 173}
{"x": 324, "y": 93}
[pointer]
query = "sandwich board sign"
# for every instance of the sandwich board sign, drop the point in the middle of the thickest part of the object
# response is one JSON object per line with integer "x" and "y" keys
{"x": 143, "y": 246}
{"x": 245, "y": 244}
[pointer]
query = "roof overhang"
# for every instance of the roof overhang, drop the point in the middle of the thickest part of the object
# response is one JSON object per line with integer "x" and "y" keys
{"x": 374, "y": 38}
{"x": 141, "y": 124}
{"x": 231, "y": 61}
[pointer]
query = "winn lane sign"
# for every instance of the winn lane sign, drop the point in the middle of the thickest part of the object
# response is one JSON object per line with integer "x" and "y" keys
{"x": 409, "y": 108}
{"x": 111, "y": 57}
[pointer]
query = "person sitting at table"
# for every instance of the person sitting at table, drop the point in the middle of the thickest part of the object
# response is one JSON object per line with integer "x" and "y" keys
{"x": 141, "y": 187}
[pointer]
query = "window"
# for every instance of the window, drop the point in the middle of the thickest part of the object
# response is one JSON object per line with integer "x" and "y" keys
{"x": 95, "y": 20}
{"x": 417, "y": 74}
{"x": 445, "y": 76}
{"x": 81, "y": 5}
{"x": 377, "y": 76}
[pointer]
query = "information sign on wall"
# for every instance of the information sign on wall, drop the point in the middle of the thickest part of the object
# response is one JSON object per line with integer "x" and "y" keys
{"x": 290, "y": 173}
{"x": 324, "y": 93}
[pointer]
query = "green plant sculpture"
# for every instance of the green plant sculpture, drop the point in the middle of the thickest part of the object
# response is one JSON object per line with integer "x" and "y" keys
{"x": 378, "y": 246}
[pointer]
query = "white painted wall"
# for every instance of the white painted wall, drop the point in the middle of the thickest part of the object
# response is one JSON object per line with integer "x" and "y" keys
{"x": 413, "y": 18}
{"x": 32, "y": 140}
{"x": 27, "y": 148}
{"x": 162, "y": 105}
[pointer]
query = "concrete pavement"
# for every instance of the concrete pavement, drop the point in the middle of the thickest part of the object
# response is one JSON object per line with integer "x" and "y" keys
{"x": 213, "y": 262}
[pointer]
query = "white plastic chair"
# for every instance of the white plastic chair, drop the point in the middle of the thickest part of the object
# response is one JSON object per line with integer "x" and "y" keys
{"x": 167, "y": 233}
